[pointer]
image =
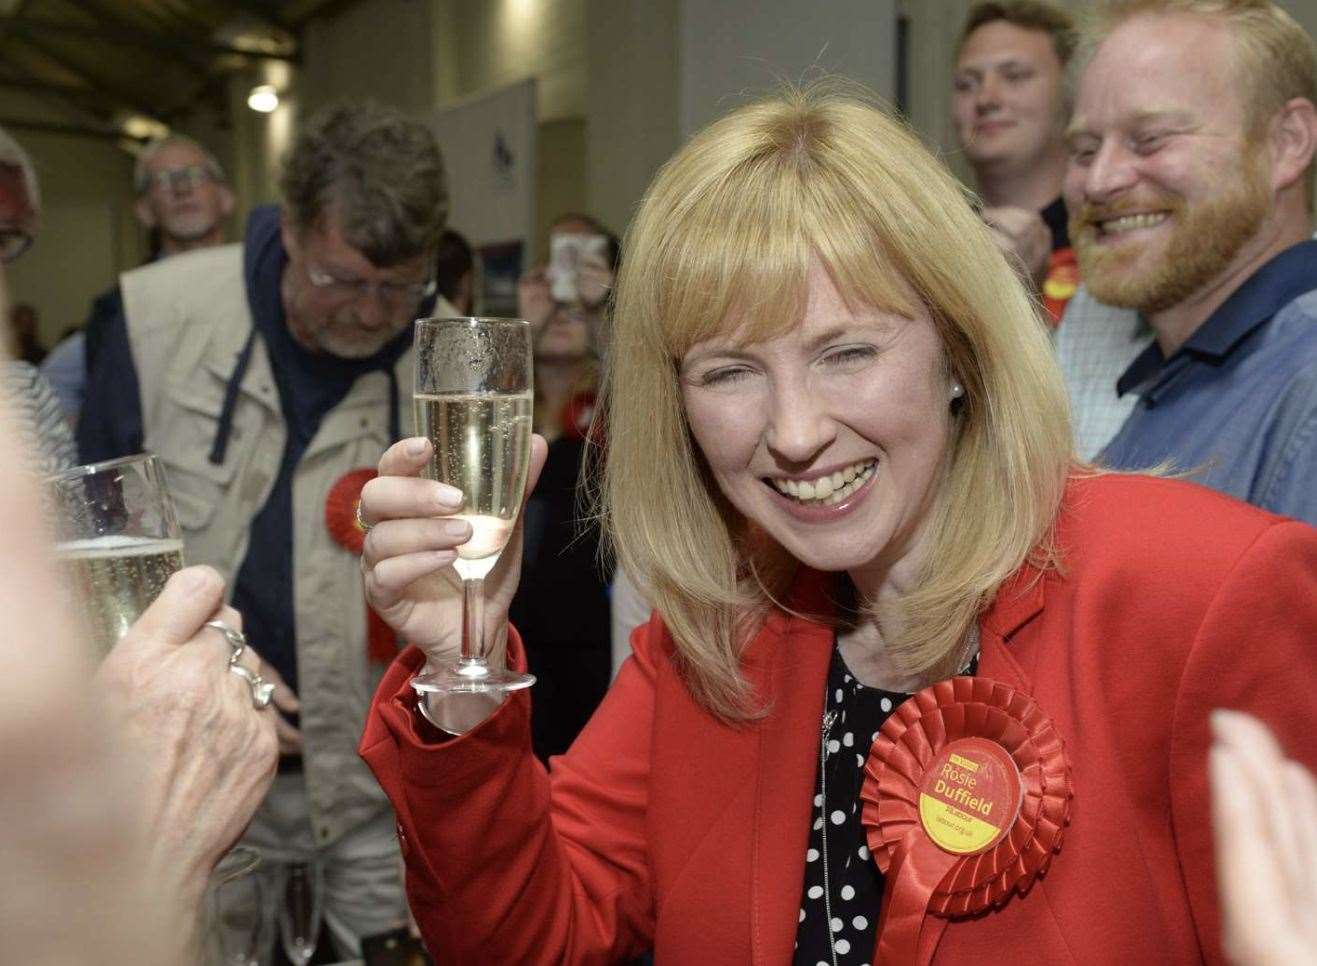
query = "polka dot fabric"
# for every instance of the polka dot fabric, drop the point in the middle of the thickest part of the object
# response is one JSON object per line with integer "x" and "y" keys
{"x": 839, "y": 910}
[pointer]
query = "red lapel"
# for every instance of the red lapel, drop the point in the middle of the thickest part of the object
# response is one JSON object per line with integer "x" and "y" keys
{"x": 795, "y": 670}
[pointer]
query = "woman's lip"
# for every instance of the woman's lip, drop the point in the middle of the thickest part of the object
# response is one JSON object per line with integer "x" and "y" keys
{"x": 991, "y": 127}
{"x": 819, "y": 472}
{"x": 823, "y": 513}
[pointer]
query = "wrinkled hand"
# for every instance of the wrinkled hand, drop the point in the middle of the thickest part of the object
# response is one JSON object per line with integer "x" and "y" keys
{"x": 535, "y": 298}
{"x": 1264, "y": 815}
{"x": 1023, "y": 237}
{"x": 205, "y": 755}
{"x": 408, "y": 554}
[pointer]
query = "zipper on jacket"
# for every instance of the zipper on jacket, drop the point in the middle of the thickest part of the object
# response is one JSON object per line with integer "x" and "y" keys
{"x": 829, "y": 719}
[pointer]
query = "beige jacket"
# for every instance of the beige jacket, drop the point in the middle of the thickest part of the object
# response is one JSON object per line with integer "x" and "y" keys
{"x": 187, "y": 321}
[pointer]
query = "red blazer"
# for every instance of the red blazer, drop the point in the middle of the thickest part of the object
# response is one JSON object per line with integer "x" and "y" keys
{"x": 662, "y": 826}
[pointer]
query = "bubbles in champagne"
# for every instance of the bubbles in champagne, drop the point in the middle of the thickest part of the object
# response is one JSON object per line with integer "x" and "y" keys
{"x": 115, "y": 578}
{"x": 482, "y": 447}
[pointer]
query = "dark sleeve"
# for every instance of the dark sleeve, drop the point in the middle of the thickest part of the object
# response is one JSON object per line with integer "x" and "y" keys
{"x": 111, "y": 422}
{"x": 105, "y": 309}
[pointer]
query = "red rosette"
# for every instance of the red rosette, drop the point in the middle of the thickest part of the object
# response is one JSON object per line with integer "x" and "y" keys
{"x": 341, "y": 509}
{"x": 955, "y": 883}
{"x": 341, "y": 521}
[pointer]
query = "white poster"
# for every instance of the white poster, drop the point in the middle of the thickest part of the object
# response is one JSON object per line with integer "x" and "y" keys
{"x": 488, "y": 143}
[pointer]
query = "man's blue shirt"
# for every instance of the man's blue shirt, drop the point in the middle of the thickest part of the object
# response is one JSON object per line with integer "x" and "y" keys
{"x": 1235, "y": 407}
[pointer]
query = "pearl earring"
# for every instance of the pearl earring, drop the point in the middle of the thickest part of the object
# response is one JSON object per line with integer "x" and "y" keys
{"x": 957, "y": 390}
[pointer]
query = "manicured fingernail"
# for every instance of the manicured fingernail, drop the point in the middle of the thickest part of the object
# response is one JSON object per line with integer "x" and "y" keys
{"x": 415, "y": 447}
{"x": 447, "y": 496}
{"x": 457, "y": 528}
{"x": 443, "y": 558}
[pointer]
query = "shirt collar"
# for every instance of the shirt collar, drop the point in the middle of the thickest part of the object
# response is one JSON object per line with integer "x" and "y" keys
{"x": 1277, "y": 283}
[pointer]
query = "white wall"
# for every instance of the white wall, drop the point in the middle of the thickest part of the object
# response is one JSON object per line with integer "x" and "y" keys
{"x": 632, "y": 102}
{"x": 734, "y": 50}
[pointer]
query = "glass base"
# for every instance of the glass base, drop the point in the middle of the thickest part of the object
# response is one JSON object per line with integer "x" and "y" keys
{"x": 471, "y": 677}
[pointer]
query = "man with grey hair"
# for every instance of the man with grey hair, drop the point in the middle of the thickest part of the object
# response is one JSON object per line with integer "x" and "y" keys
{"x": 50, "y": 445}
{"x": 266, "y": 376}
{"x": 184, "y": 201}
{"x": 182, "y": 194}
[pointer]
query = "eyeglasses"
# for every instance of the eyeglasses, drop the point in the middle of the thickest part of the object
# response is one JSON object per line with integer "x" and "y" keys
{"x": 391, "y": 293}
{"x": 13, "y": 242}
{"x": 173, "y": 179}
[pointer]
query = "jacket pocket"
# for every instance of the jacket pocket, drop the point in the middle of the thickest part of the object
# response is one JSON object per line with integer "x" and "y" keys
{"x": 183, "y": 443}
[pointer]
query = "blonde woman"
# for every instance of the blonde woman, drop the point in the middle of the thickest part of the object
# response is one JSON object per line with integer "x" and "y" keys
{"x": 839, "y": 458}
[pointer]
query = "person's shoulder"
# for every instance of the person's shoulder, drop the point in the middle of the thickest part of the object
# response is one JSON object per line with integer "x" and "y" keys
{"x": 185, "y": 290}
{"x": 1146, "y": 522}
{"x": 199, "y": 264}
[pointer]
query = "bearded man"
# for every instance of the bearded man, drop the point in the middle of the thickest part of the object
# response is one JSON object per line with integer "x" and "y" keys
{"x": 1189, "y": 190}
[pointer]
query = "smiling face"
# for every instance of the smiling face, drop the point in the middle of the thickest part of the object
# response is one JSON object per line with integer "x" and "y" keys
{"x": 832, "y": 436}
{"x": 1165, "y": 187}
{"x": 1007, "y": 96}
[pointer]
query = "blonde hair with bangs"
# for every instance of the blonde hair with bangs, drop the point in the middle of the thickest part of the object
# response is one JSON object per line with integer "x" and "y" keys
{"x": 724, "y": 239}
{"x": 1275, "y": 60}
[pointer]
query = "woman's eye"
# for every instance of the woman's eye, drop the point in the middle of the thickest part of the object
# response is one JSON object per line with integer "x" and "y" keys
{"x": 849, "y": 355}
{"x": 724, "y": 377}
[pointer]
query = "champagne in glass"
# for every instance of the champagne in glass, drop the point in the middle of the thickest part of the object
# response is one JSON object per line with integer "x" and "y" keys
{"x": 474, "y": 400}
{"x": 118, "y": 540}
{"x": 479, "y": 444}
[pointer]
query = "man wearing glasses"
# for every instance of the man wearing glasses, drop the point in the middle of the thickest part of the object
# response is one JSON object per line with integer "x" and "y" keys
{"x": 268, "y": 377}
{"x": 184, "y": 201}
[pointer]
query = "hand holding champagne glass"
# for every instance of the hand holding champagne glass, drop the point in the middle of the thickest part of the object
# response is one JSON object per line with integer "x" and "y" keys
{"x": 473, "y": 401}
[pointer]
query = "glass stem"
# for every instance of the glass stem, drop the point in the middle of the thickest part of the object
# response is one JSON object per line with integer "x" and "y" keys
{"x": 473, "y": 623}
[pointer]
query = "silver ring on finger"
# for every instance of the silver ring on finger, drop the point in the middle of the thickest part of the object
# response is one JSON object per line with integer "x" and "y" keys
{"x": 236, "y": 639}
{"x": 262, "y": 690}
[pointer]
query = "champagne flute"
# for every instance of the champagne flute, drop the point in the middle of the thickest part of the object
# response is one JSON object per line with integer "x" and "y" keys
{"x": 118, "y": 538}
{"x": 299, "y": 913}
{"x": 474, "y": 400}
{"x": 235, "y": 910}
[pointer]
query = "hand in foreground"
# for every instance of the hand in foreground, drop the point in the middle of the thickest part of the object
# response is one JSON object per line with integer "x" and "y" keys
{"x": 1264, "y": 815}
{"x": 1023, "y": 237}
{"x": 203, "y": 754}
{"x": 408, "y": 554}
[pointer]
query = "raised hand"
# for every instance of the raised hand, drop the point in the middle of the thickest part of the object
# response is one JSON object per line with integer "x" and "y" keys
{"x": 408, "y": 554}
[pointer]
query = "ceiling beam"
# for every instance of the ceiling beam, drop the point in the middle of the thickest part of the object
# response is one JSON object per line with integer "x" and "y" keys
{"x": 196, "y": 65}
{"x": 262, "y": 10}
{"x": 75, "y": 130}
{"x": 134, "y": 38}
{"x": 125, "y": 98}
{"x": 305, "y": 12}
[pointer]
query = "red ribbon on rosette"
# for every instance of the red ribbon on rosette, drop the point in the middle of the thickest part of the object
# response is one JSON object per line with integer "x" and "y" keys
{"x": 966, "y": 797}
{"x": 341, "y": 520}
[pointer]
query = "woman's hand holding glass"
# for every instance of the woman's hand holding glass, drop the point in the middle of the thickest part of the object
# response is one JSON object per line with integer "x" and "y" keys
{"x": 408, "y": 559}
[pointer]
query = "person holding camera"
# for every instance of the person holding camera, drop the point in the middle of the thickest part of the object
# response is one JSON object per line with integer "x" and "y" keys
{"x": 564, "y": 590}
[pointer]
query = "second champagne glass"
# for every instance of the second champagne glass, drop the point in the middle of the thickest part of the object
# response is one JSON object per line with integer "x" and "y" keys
{"x": 118, "y": 539}
{"x": 474, "y": 401}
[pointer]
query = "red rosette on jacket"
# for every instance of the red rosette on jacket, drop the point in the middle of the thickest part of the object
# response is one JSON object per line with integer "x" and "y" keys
{"x": 341, "y": 520}
{"x": 966, "y": 797}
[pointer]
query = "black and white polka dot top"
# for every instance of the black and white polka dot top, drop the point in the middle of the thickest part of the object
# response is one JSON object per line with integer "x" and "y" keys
{"x": 843, "y": 891}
